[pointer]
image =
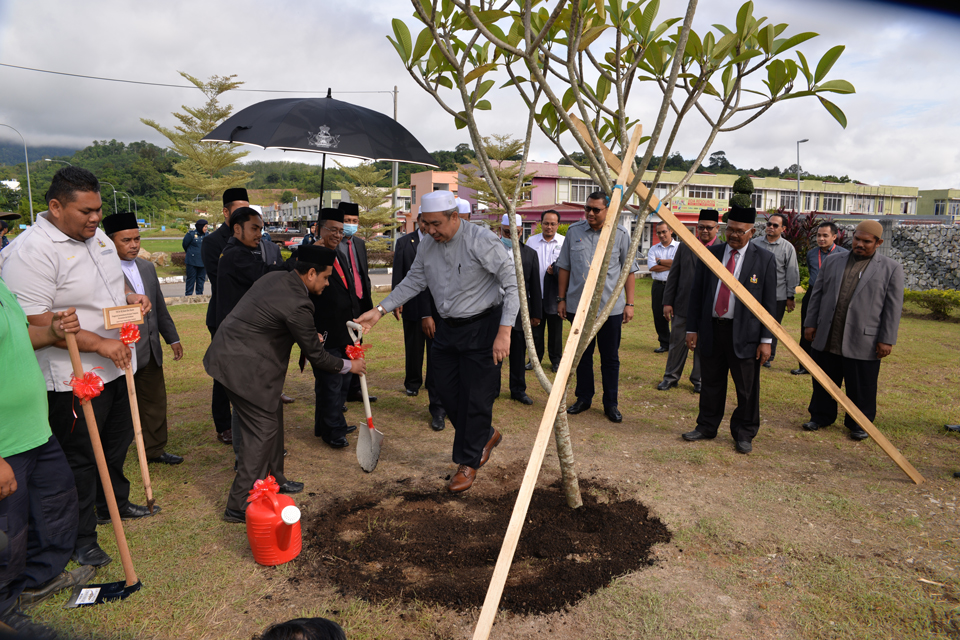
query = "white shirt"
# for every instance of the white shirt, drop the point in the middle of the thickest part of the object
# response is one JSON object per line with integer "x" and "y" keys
{"x": 49, "y": 271}
{"x": 660, "y": 252}
{"x": 547, "y": 251}
{"x": 133, "y": 275}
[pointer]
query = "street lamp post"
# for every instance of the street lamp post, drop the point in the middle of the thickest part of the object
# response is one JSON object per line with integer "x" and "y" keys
{"x": 114, "y": 194}
{"x": 60, "y": 161}
{"x": 799, "y": 172}
{"x": 27, "y": 159}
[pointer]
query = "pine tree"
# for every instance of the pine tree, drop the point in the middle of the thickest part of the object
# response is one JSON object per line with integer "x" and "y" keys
{"x": 502, "y": 150}
{"x": 377, "y": 215}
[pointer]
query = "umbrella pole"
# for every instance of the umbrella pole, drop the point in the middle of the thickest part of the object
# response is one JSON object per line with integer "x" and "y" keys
{"x": 323, "y": 171}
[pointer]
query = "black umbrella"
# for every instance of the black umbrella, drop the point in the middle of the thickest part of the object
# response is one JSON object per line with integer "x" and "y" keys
{"x": 322, "y": 125}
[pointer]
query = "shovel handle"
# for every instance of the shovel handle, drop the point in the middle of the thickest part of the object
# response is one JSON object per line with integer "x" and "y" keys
{"x": 138, "y": 437}
{"x": 356, "y": 331}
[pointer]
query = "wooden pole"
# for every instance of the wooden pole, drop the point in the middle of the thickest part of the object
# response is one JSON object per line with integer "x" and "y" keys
{"x": 138, "y": 436}
{"x": 91, "y": 420}
{"x": 511, "y": 538}
{"x": 768, "y": 320}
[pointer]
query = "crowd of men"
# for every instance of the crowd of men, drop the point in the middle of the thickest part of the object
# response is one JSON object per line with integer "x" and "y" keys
{"x": 455, "y": 289}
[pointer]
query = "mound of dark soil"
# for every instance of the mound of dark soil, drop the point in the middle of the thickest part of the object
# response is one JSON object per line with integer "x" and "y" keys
{"x": 441, "y": 548}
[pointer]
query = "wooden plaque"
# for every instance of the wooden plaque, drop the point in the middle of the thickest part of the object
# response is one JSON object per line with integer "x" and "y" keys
{"x": 116, "y": 317}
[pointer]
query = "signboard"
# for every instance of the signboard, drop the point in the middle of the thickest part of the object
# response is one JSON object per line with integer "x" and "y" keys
{"x": 22, "y": 227}
{"x": 141, "y": 221}
{"x": 163, "y": 227}
{"x": 115, "y": 317}
{"x": 694, "y": 205}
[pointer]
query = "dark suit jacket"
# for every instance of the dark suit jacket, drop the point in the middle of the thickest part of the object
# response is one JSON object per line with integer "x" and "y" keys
{"x": 156, "y": 323}
{"x": 332, "y": 308}
{"x": 250, "y": 352}
{"x": 747, "y": 329}
{"x": 676, "y": 294}
{"x": 238, "y": 269}
{"x": 366, "y": 302}
{"x": 530, "y": 263}
{"x": 210, "y": 250}
{"x": 875, "y": 308}
{"x": 421, "y": 305}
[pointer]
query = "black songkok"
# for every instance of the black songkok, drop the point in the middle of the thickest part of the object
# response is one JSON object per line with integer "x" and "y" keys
{"x": 234, "y": 194}
{"x": 119, "y": 222}
{"x": 315, "y": 254}
{"x": 742, "y": 214}
{"x": 349, "y": 208}
{"x": 332, "y": 214}
{"x": 710, "y": 215}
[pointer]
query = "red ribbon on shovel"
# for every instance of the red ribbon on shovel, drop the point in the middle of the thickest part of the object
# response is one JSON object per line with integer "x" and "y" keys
{"x": 86, "y": 388}
{"x": 357, "y": 352}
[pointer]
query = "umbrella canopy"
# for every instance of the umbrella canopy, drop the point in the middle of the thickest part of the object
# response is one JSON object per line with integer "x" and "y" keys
{"x": 322, "y": 125}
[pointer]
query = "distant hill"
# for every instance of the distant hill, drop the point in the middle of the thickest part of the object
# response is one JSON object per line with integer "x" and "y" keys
{"x": 11, "y": 153}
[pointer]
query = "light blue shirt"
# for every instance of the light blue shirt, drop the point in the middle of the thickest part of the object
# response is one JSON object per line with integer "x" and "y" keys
{"x": 576, "y": 254}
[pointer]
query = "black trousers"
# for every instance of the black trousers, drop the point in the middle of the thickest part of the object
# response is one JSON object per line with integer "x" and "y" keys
{"x": 261, "y": 448}
{"x": 518, "y": 362}
{"x": 152, "y": 402}
{"x": 112, "y": 412}
{"x": 860, "y": 377}
{"x": 805, "y": 344}
{"x": 468, "y": 382}
{"x": 220, "y": 402}
{"x": 661, "y": 324}
{"x": 414, "y": 342}
{"x": 608, "y": 343}
{"x": 40, "y": 520}
{"x": 551, "y": 324}
{"x": 677, "y": 357}
{"x": 331, "y": 393}
{"x": 745, "y": 421}
{"x": 781, "y": 310}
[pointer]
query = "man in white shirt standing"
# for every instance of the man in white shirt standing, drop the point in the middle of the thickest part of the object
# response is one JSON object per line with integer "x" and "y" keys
{"x": 547, "y": 245}
{"x": 62, "y": 261}
{"x": 659, "y": 261}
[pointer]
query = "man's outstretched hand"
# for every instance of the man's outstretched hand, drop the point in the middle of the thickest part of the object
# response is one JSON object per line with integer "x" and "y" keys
{"x": 368, "y": 319}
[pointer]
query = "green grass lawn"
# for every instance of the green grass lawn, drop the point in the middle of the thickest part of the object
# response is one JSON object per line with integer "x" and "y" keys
{"x": 166, "y": 246}
{"x": 811, "y": 536}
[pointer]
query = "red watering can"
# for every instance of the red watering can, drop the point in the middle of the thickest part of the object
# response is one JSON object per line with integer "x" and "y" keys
{"x": 273, "y": 524}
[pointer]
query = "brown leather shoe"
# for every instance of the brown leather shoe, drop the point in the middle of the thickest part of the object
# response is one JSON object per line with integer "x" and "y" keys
{"x": 285, "y": 399}
{"x": 463, "y": 479}
{"x": 493, "y": 442}
{"x": 226, "y": 437}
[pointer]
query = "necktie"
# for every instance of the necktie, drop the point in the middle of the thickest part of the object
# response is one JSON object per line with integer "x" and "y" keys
{"x": 356, "y": 272}
{"x": 723, "y": 296}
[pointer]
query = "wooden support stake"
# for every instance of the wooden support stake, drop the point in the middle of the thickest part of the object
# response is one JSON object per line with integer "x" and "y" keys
{"x": 768, "y": 321}
{"x": 511, "y": 538}
{"x": 91, "y": 420}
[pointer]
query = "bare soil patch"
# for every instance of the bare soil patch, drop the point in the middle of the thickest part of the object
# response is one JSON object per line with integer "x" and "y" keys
{"x": 438, "y": 548}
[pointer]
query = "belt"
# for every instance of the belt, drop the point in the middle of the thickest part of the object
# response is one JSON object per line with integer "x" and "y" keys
{"x": 462, "y": 322}
{"x": 723, "y": 321}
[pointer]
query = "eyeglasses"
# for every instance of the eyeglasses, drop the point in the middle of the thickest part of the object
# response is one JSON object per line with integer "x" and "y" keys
{"x": 332, "y": 231}
{"x": 703, "y": 227}
{"x": 594, "y": 209}
{"x": 773, "y": 224}
{"x": 734, "y": 232}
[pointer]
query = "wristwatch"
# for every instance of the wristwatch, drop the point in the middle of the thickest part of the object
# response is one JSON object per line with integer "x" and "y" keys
{"x": 382, "y": 311}
{"x": 559, "y": 299}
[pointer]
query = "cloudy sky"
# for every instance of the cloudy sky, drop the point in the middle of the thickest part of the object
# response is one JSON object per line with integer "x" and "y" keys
{"x": 904, "y": 120}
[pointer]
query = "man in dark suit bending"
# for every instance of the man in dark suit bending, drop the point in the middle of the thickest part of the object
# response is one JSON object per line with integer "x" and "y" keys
{"x": 729, "y": 336}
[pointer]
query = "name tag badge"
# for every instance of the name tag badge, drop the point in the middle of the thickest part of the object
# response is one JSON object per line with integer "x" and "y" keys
{"x": 106, "y": 252}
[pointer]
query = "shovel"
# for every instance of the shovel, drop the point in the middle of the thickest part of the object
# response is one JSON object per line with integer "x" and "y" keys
{"x": 369, "y": 439}
{"x": 134, "y": 336}
{"x": 92, "y": 594}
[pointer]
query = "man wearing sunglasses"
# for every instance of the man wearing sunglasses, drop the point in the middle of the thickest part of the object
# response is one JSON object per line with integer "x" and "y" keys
{"x": 788, "y": 273}
{"x": 573, "y": 265}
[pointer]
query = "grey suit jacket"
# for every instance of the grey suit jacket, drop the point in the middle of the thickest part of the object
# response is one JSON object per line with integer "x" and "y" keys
{"x": 250, "y": 352}
{"x": 156, "y": 323}
{"x": 874, "y": 313}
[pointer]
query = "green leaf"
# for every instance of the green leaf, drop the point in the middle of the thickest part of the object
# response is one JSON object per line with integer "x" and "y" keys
{"x": 479, "y": 71}
{"x": 446, "y": 8}
{"x": 569, "y": 98}
{"x": 512, "y": 82}
{"x": 694, "y": 46}
{"x": 590, "y": 35}
{"x": 647, "y": 18}
{"x": 805, "y": 67}
{"x": 484, "y": 87}
{"x": 603, "y": 88}
{"x": 666, "y": 24}
{"x": 836, "y": 86}
{"x": 444, "y": 81}
{"x": 797, "y": 94}
{"x": 710, "y": 91}
{"x": 403, "y": 43}
{"x": 461, "y": 121}
{"x": 722, "y": 29}
{"x": 743, "y": 18}
{"x": 600, "y": 9}
{"x": 723, "y": 47}
{"x": 835, "y": 111}
{"x": 788, "y": 43}
{"x": 489, "y": 17}
{"x": 746, "y": 55}
{"x": 766, "y": 38}
{"x": 424, "y": 40}
{"x": 826, "y": 62}
{"x": 400, "y": 51}
{"x": 728, "y": 80}
{"x": 483, "y": 104}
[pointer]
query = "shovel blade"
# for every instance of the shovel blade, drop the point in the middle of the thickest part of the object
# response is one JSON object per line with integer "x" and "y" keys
{"x": 94, "y": 594}
{"x": 368, "y": 448}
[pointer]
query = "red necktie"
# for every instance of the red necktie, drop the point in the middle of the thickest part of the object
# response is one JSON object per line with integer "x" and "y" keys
{"x": 356, "y": 272}
{"x": 723, "y": 296}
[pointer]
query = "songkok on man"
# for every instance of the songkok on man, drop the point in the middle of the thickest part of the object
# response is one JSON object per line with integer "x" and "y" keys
{"x": 331, "y": 214}
{"x": 315, "y": 254}
{"x": 234, "y": 194}
{"x": 438, "y": 201}
{"x": 742, "y": 214}
{"x": 119, "y": 222}
{"x": 709, "y": 215}
{"x": 349, "y": 208}
{"x": 872, "y": 227}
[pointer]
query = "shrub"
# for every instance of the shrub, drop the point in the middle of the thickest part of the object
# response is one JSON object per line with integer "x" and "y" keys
{"x": 938, "y": 302}
{"x": 179, "y": 259}
{"x": 743, "y": 185}
{"x": 741, "y": 200}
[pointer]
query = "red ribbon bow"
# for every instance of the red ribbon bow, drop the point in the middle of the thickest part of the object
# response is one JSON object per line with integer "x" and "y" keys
{"x": 357, "y": 351}
{"x": 129, "y": 333}
{"x": 87, "y": 387}
{"x": 263, "y": 488}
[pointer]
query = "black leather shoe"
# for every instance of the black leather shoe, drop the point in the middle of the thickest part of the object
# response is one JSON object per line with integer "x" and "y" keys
{"x": 528, "y": 366}
{"x": 92, "y": 555}
{"x": 411, "y": 392}
{"x": 613, "y": 414}
{"x": 166, "y": 458}
{"x": 336, "y": 443}
{"x": 952, "y": 427}
{"x": 66, "y": 580}
{"x": 578, "y": 407}
{"x": 350, "y": 429}
{"x": 344, "y": 408}
{"x": 358, "y": 397}
{"x": 811, "y": 426}
{"x": 291, "y": 487}
{"x": 229, "y": 515}
{"x": 693, "y": 436}
{"x": 664, "y": 385}
{"x": 661, "y": 349}
{"x": 696, "y": 387}
{"x": 768, "y": 364}
{"x": 858, "y": 434}
{"x": 522, "y": 398}
{"x": 956, "y": 474}
{"x": 554, "y": 367}
{"x": 437, "y": 423}
{"x": 799, "y": 371}
{"x": 744, "y": 446}
{"x": 131, "y": 512}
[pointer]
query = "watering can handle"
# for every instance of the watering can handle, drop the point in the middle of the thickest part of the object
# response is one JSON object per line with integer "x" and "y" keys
{"x": 355, "y": 331}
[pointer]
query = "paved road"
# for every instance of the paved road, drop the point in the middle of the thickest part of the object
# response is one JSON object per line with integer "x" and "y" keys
{"x": 177, "y": 288}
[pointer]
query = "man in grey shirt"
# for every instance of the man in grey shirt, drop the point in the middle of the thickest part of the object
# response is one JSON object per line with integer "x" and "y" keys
{"x": 474, "y": 287}
{"x": 573, "y": 265}
{"x": 788, "y": 273}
